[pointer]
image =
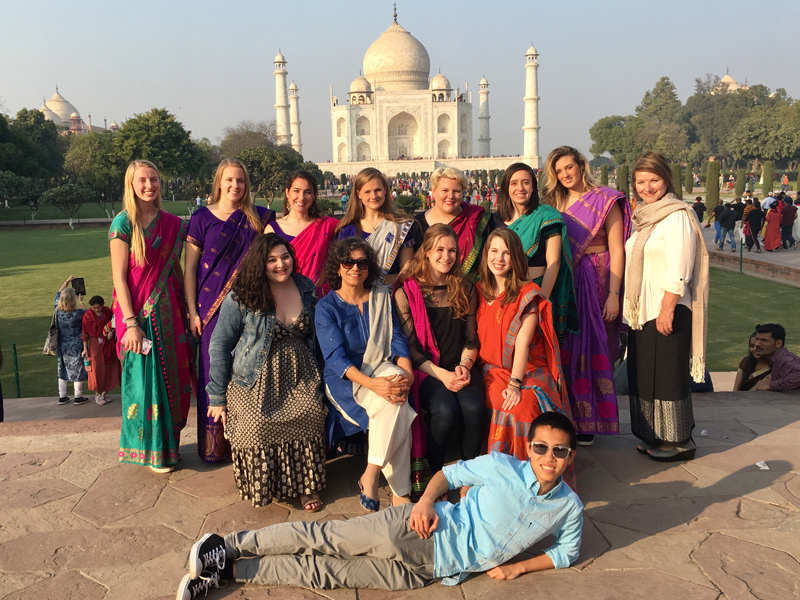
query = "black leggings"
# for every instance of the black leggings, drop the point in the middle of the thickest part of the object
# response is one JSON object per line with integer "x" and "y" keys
{"x": 448, "y": 411}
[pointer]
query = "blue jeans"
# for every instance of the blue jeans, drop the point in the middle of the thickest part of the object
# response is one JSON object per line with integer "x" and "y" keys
{"x": 727, "y": 232}
{"x": 718, "y": 227}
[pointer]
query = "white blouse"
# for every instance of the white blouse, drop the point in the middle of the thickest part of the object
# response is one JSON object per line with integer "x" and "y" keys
{"x": 668, "y": 262}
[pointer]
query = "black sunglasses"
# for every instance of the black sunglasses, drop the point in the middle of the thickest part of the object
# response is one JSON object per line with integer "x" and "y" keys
{"x": 361, "y": 263}
{"x": 560, "y": 452}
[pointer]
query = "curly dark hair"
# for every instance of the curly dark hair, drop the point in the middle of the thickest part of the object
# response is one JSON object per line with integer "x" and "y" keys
{"x": 251, "y": 286}
{"x": 340, "y": 251}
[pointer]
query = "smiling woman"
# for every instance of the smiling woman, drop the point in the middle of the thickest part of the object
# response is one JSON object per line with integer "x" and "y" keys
{"x": 264, "y": 382}
{"x": 218, "y": 238}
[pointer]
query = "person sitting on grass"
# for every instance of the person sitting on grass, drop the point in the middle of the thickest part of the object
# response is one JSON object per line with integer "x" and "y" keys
{"x": 511, "y": 505}
{"x": 770, "y": 342}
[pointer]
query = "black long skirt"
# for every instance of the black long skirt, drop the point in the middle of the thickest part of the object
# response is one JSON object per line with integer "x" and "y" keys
{"x": 659, "y": 380}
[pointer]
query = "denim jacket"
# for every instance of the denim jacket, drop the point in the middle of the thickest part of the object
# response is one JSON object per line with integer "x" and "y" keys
{"x": 241, "y": 341}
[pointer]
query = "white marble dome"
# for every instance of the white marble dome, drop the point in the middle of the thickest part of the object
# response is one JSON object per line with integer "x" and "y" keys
{"x": 50, "y": 115}
{"x": 59, "y": 105}
{"x": 397, "y": 61}
{"x": 440, "y": 82}
{"x": 531, "y": 51}
{"x": 360, "y": 85}
{"x": 279, "y": 58}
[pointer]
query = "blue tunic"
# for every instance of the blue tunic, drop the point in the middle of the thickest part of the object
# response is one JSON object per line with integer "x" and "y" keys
{"x": 70, "y": 345}
{"x": 343, "y": 332}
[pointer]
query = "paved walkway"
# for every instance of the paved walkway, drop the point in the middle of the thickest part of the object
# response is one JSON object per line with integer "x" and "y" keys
{"x": 78, "y": 525}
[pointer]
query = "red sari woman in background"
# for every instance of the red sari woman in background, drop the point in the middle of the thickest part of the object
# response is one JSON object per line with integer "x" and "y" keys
{"x": 98, "y": 346}
{"x": 772, "y": 236}
{"x": 518, "y": 347}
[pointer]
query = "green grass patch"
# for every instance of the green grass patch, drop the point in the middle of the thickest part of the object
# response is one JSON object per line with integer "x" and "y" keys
{"x": 95, "y": 211}
{"x": 35, "y": 262}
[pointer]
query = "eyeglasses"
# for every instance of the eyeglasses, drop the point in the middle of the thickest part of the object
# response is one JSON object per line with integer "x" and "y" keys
{"x": 560, "y": 452}
{"x": 361, "y": 263}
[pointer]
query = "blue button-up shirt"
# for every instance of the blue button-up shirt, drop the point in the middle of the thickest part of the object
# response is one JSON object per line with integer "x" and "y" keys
{"x": 502, "y": 516}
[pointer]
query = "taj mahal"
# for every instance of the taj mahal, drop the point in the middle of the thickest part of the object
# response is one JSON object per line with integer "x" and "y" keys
{"x": 398, "y": 119}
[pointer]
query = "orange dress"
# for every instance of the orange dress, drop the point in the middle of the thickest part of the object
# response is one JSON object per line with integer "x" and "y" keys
{"x": 772, "y": 237}
{"x": 543, "y": 384}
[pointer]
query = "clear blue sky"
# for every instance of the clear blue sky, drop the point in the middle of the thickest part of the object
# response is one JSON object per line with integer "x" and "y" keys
{"x": 210, "y": 63}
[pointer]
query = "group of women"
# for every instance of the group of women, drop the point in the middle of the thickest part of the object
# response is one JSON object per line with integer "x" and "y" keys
{"x": 417, "y": 332}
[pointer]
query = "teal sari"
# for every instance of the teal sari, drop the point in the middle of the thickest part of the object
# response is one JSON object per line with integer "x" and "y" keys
{"x": 529, "y": 228}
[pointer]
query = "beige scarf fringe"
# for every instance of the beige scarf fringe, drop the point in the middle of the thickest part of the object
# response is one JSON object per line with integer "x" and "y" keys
{"x": 646, "y": 217}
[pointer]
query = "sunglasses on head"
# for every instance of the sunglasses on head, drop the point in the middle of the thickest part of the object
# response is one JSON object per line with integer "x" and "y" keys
{"x": 361, "y": 263}
{"x": 558, "y": 451}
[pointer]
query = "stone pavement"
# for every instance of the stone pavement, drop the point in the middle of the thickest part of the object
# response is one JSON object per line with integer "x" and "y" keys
{"x": 76, "y": 524}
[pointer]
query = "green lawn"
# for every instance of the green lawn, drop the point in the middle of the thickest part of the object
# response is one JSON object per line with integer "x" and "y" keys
{"x": 35, "y": 262}
{"x": 95, "y": 211}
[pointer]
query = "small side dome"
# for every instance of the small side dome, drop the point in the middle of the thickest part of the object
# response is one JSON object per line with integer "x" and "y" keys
{"x": 74, "y": 116}
{"x": 483, "y": 82}
{"x": 531, "y": 51}
{"x": 360, "y": 85}
{"x": 293, "y": 86}
{"x": 279, "y": 58}
{"x": 440, "y": 82}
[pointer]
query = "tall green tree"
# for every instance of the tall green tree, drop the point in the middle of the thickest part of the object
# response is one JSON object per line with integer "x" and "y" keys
{"x": 623, "y": 180}
{"x": 604, "y": 175}
{"x": 676, "y": 179}
{"x": 247, "y": 134}
{"x": 712, "y": 183}
{"x": 740, "y": 175}
{"x": 688, "y": 179}
{"x": 44, "y": 135}
{"x": 67, "y": 198}
{"x": 159, "y": 137}
{"x": 661, "y": 104}
{"x": 768, "y": 176}
{"x": 269, "y": 167}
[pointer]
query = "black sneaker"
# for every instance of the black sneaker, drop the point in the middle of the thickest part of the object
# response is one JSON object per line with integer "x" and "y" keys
{"x": 63, "y": 400}
{"x": 207, "y": 556}
{"x": 79, "y": 400}
{"x": 191, "y": 588}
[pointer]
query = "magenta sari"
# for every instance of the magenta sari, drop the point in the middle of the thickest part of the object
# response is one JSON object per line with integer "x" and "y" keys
{"x": 157, "y": 387}
{"x": 588, "y": 356}
{"x": 311, "y": 248}
{"x": 420, "y": 469}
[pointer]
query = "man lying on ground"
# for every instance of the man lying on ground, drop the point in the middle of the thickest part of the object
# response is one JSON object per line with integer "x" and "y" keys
{"x": 511, "y": 505}
{"x": 770, "y": 342}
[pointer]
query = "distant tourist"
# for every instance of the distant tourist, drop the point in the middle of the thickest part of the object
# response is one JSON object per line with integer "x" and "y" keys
{"x": 99, "y": 343}
{"x": 70, "y": 346}
{"x": 788, "y": 217}
{"x": 753, "y": 222}
{"x": 727, "y": 221}
{"x": 772, "y": 236}
{"x": 699, "y": 208}
{"x": 752, "y": 369}
{"x": 770, "y": 346}
{"x": 715, "y": 213}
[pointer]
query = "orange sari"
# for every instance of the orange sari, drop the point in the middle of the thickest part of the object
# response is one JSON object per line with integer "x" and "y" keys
{"x": 543, "y": 384}
{"x": 772, "y": 236}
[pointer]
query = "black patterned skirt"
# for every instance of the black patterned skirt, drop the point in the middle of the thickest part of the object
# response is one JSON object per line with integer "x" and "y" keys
{"x": 277, "y": 428}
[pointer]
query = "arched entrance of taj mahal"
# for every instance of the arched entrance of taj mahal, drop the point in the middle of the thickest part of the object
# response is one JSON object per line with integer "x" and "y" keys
{"x": 404, "y": 136}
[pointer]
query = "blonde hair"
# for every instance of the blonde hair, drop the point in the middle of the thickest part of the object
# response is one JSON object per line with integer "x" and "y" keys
{"x": 129, "y": 205}
{"x": 554, "y": 193}
{"x": 245, "y": 202}
{"x": 68, "y": 301}
{"x": 448, "y": 173}
{"x": 419, "y": 268}
{"x": 355, "y": 210}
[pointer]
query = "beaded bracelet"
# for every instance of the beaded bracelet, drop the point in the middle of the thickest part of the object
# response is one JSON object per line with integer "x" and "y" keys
{"x": 613, "y": 292}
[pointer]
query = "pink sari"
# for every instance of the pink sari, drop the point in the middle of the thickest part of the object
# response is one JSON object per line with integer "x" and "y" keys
{"x": 311, "y": 247}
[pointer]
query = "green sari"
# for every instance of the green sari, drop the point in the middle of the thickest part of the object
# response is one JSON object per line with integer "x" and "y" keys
{"x": 529, "y": 228}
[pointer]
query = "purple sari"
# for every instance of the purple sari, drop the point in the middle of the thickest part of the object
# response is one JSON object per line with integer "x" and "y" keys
{"x": 223, "y": 245}
{"x": 588, "y": 356}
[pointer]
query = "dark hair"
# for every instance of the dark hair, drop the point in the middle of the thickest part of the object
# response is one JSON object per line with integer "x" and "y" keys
{"x": 314, "y": 210}
{"x": 97, "y": 300}
{"x": 554, "y": 420}
{"x": 505, "y": 205}
{"x": 776, "y": 331}
{"x": 251, "y": 286}
{"x": 699, "y": 199}
{"x": 750, "y": 361}
{"x": 340, "y": 251}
